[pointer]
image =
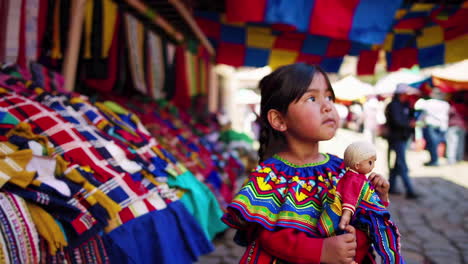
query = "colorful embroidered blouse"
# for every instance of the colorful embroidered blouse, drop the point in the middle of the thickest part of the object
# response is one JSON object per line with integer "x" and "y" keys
{"x": 279, "y": 194}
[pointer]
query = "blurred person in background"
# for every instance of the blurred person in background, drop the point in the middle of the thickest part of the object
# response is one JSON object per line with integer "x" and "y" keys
{"x": 455, "y": 136}
{"x": 400, "y": 122}
{"x": 435, "y": 115}
{"x": 371, "y": 111}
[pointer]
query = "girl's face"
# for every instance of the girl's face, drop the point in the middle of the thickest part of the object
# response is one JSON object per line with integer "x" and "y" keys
{"x": 313, "y": 117}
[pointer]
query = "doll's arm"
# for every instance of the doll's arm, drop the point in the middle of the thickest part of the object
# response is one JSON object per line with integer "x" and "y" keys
{"x": 345, "y": 218}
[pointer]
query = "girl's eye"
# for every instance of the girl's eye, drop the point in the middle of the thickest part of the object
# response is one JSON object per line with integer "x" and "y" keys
{"x": 312, "y": 98}
{"x": 370, "y": 162}
{"x": 330, "y": 98}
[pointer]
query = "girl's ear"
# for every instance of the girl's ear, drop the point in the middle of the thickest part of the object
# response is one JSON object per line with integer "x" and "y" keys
{"x": 276, "y": 120}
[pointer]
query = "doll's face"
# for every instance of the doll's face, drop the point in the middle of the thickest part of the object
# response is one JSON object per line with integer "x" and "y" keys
{"x": 365, "y": 166}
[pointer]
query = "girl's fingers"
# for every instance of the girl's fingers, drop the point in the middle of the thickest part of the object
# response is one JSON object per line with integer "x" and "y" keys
{"x": 371, "y": 176}
{"x": 350, "y": 229}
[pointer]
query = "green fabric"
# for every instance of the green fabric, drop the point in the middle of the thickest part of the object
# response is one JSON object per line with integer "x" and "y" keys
{"x": 7, "y": 118}
{"x": 200, "y": 202}
{"x": 231, "y": 135}
{"x": 116, "y": 108}
{"x": 192, "y": 46}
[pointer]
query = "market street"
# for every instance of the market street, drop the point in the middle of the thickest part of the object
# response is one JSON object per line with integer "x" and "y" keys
{"x": 434, "y": 228}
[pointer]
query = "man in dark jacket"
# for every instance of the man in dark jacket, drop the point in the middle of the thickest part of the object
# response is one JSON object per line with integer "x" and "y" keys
{"x": 400, "y": 123}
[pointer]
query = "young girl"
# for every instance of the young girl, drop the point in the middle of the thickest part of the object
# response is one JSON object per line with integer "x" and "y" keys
{"x": 277, "y": 210}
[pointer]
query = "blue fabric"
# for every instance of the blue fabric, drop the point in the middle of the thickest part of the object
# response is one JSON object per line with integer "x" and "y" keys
{"x": 331, "y": 64}
{"x": 402, "y": 41}
{"x": 256, "y": 57}
{"x": 357, "y": 47}
{"x": 200, "y": 202}
{"x": 315, "y": 45}
{"x": 431, "y": 56}
{"x": 208, "y": 15}
{"x": 296, "y": 13}
{"x": 194, "y": 238}
{"x": 233, "y": 34}
{"x": 168, "y": 236}
{"x": 371, "y": 22}
{"x": 214, "y": 179}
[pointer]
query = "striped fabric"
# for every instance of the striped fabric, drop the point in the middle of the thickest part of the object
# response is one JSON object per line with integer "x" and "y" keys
{"x": 18, "y": 235}
{"x": 119, "y": 186}
{"x": 92, "y": 251}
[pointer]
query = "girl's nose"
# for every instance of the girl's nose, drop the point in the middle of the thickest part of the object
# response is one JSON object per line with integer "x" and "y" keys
{"x": 327, "y": 106}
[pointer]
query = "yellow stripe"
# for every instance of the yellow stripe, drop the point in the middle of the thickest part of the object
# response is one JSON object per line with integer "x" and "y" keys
{"x": 110, "y": 18}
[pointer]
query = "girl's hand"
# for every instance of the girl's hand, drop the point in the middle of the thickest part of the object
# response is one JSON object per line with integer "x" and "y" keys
{"x": 381, "y": 185}
{"x": 340, "y": 249}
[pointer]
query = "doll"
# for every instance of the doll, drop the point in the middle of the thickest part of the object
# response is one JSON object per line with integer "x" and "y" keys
{"x": 361, "y": 200}
{"x": 359, "y": 159}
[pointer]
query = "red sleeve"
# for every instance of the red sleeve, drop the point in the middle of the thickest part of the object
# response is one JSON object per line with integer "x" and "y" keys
{"x": 296, "y": 246}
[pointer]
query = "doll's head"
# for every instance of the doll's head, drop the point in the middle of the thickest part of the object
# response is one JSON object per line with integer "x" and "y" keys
{"x": 360, "y": 156}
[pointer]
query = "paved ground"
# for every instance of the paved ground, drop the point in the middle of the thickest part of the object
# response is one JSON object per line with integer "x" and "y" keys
{"x": 434, "y": 228}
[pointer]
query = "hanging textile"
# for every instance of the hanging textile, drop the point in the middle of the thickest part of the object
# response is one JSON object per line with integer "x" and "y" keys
{"x": 32, "y": 20}
{"x": 182, "y": 82}
{"x": 258, "y": 45}
{"x": 110, "y": 65}
{"x": 359, "y": 20}
{"x": 12, "y": 30}
{"x": 427, "y": 35}
{"x": 155, "y": 73}
{"x": 135, "y": 42}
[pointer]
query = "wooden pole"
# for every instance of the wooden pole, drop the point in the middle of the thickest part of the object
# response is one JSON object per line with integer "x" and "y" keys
{"x": 213, "y": 89}
{"x": 193, "y": 25}
{"x": 74, "y": 41}
{"x": 158, "y": 20}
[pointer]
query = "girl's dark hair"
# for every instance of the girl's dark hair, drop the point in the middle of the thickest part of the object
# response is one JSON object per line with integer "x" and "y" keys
{"x": 278, "y": 89}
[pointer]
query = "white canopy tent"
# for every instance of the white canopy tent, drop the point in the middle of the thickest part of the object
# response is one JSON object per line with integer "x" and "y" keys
{"x": 388, "y": 84}
{"x": 350, "y": 89}
{"x": 454, "y": 72}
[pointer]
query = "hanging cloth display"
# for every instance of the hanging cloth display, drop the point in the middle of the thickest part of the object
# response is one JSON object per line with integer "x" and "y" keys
{"x": 155, "y": 66}
{"x": 182, "y": 85}
{"x": 135, "y": 41}
{"x": 12, "y": 31}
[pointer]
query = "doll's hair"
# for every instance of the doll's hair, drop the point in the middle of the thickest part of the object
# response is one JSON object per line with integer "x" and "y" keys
{"x": 357, "y": 152}
{"x": 279, "y": 89}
